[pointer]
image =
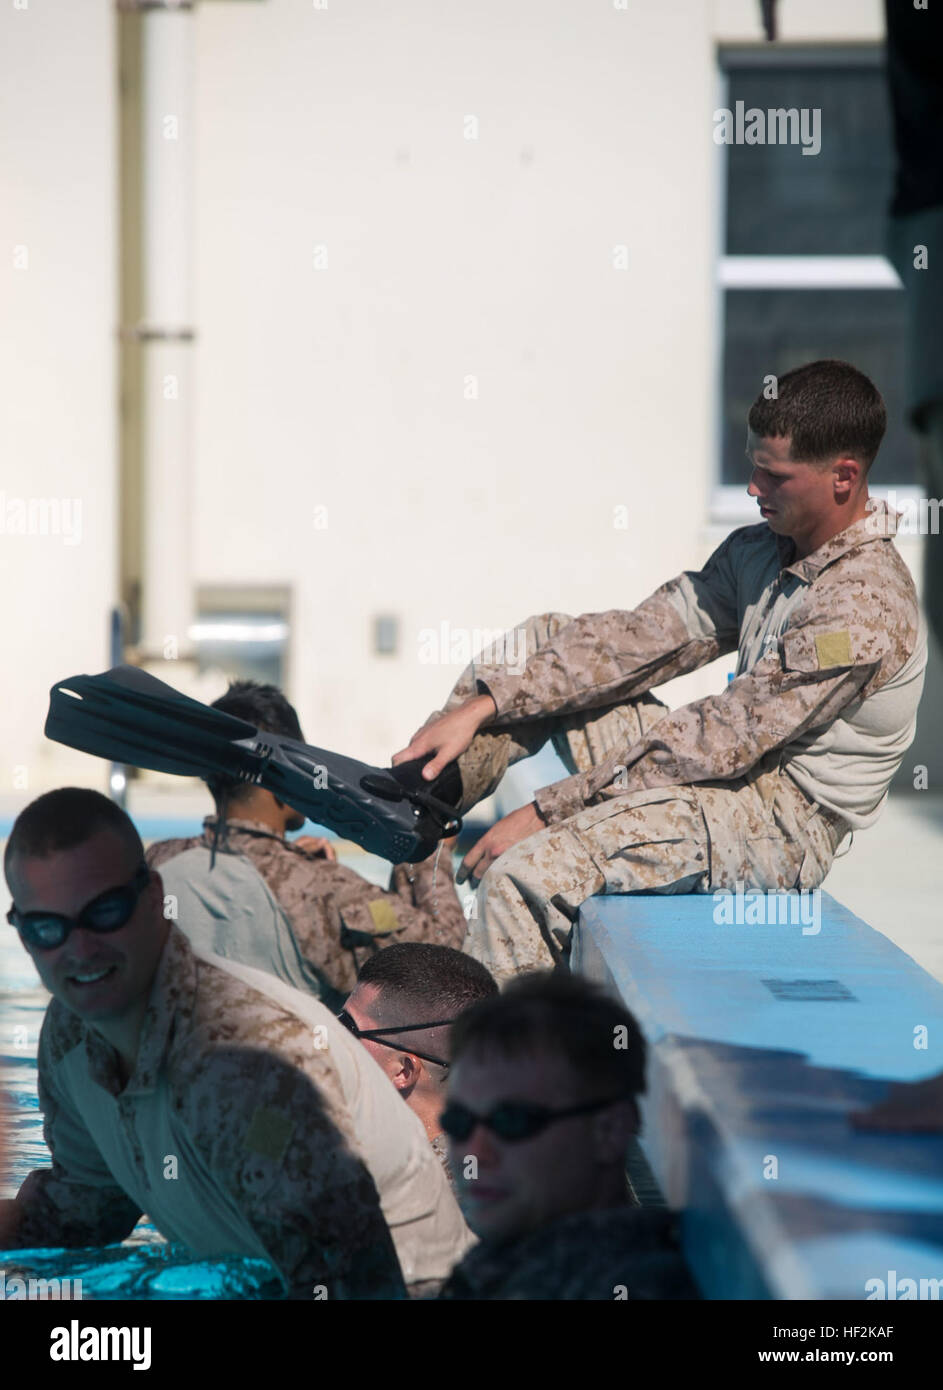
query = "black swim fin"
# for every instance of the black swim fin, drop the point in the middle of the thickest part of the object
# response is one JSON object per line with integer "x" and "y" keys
{"x": 131, "y": 717}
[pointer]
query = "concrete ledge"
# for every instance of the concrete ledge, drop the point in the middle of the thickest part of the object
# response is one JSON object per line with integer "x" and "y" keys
{"x": 762, "y": 1040}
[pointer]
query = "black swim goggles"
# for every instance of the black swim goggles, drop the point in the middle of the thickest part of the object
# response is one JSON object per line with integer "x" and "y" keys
{"x": 108, "y": 912}
{"x": 512, "y": 1120}
{"x": 379, "y": 1035}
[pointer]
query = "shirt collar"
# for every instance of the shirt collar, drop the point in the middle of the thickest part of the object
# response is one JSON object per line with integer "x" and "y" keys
{"x": 171, "y": 998}
{"x": 247, "y": 827}
{"x": 877, "y": 525}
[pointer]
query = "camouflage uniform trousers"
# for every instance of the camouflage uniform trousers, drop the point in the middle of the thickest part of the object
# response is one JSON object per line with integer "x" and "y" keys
{"x": 758, "y": 831}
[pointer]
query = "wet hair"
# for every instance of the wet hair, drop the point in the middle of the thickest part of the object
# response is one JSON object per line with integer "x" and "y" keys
{"x": 826, "y": 409}
{"x": 264, "y": 706}
{"x": 64, "y": 819}
{"x": 417, "y": 982}
{"x": 563, "y": 1015}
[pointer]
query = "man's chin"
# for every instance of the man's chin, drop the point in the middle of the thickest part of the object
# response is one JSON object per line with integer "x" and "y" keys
{"x": 96, "y": 999}
{"x": 491, "y": 1217}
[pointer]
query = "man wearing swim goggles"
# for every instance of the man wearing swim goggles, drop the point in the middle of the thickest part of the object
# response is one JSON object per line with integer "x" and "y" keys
{"x": 149, "y": 1048}
{"x": 402, "y": 1007}
{"x": 541, "y": 1108}
{"x": 82, "y": 929}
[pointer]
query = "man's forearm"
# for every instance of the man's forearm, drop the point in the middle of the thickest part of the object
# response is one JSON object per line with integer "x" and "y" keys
{"x": 48, "y": 1211}
{"x": 604, "y": 658}
{"x": 9, "y": 1221}
{"x": 484, "y": 706}
{"x": 719, "y": 737}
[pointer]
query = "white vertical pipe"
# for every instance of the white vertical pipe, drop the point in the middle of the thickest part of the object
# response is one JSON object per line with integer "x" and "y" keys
{"x": 167, "y": 164}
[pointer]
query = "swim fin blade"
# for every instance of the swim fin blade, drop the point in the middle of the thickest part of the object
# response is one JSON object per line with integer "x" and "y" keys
{"x": 129, "y": 716}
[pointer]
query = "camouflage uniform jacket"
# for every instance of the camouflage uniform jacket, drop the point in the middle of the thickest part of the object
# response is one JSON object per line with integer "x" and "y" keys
{"x": 623, "y": 1253}
{"x": 338, "y": 918}
{"x": 235, "y": 1133}
{"x": 440, "y": 1147}
{"x": 828, "y": 679}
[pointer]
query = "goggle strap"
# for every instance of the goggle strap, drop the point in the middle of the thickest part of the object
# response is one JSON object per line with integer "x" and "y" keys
{"x": 372, "y": 1033}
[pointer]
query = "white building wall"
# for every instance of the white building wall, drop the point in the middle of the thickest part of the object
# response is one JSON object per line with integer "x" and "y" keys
{"x": 58, "y": 371}
{"x": 448, "y": 258}
{"x": 358, "y": 262}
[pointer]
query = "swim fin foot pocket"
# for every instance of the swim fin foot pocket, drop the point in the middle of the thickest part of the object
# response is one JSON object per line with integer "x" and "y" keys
{"x": 129, "y": 716}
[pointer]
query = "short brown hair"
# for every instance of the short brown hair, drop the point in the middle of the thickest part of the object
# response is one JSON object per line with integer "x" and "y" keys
{"x": 826, "y": 409}
{"x": 565, "y": 1015}
{"x": 430, "y": 979}
{"x": 268, "y": 709}
{"x": 63, "y": 819}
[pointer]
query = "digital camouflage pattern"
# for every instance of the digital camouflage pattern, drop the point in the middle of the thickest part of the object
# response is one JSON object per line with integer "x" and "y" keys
{"x": 756, "y": 785}
{"x": 338, "y": 918}
{"x": 627, "y": 1253}
{"x": 418, "y": 1204}
{"x": 440, "y": 1147}
{"x": 232, "y": 1133}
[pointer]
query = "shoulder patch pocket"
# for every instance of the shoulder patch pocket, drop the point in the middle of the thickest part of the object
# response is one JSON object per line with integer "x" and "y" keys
{"x": 365, "y": 921}
{"x": 268, "y": 1134}
{"x": 833, "y": 649}
{"x": 817, "y": 650}
{"x": 383, "y": 915}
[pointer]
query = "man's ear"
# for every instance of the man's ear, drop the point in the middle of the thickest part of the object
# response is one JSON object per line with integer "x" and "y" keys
{"x": 294, "y": 820}
{"x": 846, "y": 476}
{"x": 18, "y": 936}
{"x": 407, "y": 1073}
{"x": 612, "y": 1130}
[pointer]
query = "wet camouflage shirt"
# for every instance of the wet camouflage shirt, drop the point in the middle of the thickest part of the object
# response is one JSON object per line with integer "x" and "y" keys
{"x": 624, "y": 1253}
{"x": 830, "y": 666}
{"x": 338, "y": 918}
{"x": 231, "y": 1133}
